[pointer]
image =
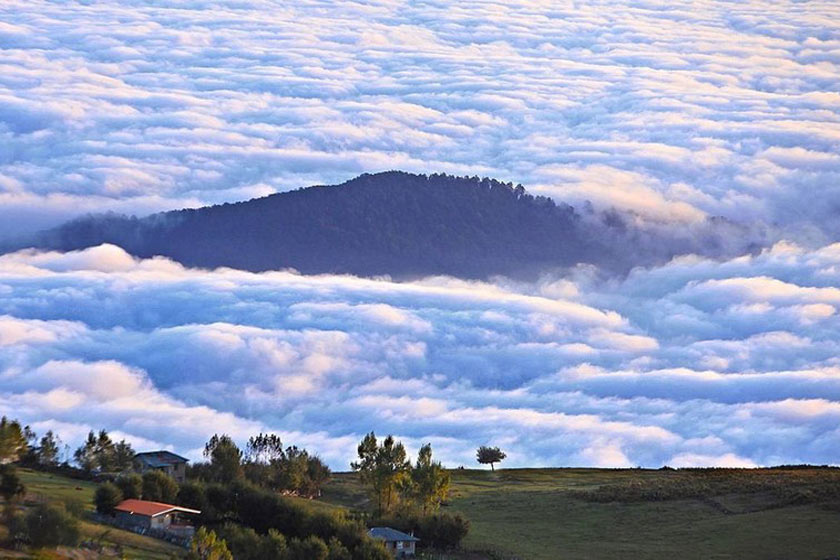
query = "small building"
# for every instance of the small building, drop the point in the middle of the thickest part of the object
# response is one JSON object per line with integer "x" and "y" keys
{"x": 155, "y": 518}
{"x": 170, "y": 463}
{"x": 399, "y": 544}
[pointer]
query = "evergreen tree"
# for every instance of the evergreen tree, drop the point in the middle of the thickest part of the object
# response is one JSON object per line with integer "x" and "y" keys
{"x": 107, "y": 497}
{"x": 48, "y": 450}
{"x": 13, "y": 443}
{"x": 383, "y": 467}
{"x": 429, "y": 481}
{"x": 225, "y": 458}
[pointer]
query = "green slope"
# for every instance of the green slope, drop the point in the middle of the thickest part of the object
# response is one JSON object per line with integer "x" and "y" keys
{"x": 531, "y": 514}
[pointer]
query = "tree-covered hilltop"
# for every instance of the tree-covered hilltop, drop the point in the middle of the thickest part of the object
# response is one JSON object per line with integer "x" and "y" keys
{"x": 393, "y": 223}
{"x": 389, "y": 223}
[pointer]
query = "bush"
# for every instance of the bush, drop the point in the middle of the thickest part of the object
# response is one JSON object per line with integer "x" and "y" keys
{"x": 443, "y": 530}
{"x": 16, "y": 525}
{"x": 74, "y": 506}
{"x": 262, "y": 511}
{"x": 206, "y": 546}
{"x": 243, "y": 542}
{"x": 310, "y": 548}
{"x": 10, "y": 485}
{"x": 50, "y": 525}
{"x": 369, "y": 549}
{"x": 131, "y": 485}
{"x": 273, "y": 545}
{"x": 107, "y": 497}
{"x": 158, "y": 487}
{"x": 191, "y": 494}
{"x": 338, "y": 551}
{"x": 440, "y": 530}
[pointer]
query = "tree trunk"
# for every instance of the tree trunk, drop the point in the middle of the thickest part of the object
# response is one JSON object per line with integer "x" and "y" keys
{"x": 492, "y": 468}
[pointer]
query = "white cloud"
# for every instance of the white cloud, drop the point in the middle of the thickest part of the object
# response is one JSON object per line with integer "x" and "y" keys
{"x": 674, "y": 114}
{"x": 635, "y": 372}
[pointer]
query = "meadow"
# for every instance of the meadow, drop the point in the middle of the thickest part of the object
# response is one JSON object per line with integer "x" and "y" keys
{"x": 570, "y": 514}
{"x": 557, "y": 514}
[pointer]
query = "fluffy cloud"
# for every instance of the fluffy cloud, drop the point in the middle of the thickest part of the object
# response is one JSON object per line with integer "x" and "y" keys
{"x": 672, "y": 113}
{"x": 643, "y": 371}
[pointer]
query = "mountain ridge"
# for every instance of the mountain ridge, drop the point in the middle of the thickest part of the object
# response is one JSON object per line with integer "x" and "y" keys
{"x": 392, "y": 223}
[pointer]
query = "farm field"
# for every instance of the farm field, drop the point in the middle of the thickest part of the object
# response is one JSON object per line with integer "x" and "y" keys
{"x": 534, "y": 514}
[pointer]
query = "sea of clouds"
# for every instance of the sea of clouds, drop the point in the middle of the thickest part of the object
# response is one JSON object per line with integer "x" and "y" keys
{"x": 673, "y": 111}
{"x": 695, "y": 363}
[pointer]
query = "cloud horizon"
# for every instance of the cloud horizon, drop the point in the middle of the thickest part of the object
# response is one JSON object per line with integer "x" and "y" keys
{"x": 694, "y": 363}
{"x": 672, "y": 114}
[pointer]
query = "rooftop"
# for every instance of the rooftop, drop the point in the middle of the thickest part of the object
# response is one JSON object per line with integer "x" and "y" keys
{"x": 150, "y": 509}
{"x": 160, "y": 458}
{"x": 390, "y": 535}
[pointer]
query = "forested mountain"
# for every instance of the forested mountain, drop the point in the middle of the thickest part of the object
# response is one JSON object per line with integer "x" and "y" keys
{"x": 393, "y": 223}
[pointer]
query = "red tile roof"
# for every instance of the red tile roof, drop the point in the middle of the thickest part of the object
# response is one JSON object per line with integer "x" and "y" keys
{"x": 150, "y": 509}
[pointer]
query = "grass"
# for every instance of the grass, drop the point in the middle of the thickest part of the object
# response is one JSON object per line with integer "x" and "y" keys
{"x": 42, "y": 486}
{"x": 566, "y": 514}
{"x": 539, "y": 514}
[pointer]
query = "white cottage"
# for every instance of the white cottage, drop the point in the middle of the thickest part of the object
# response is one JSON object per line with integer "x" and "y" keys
{"x": 399, "y": 544}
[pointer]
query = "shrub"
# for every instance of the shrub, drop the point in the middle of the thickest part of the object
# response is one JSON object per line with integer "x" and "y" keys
{"x": 16, "y": 525}
{"x": 191, "y": 494}
{"x": 131, "y": 485}
{"x": 310, "y": 548}
{"x": 273, "y": 545}
{"x": 158, "y": 487}
{"x": 369, "y": 549}
{"x": 107, "y": 497}
{"x": 243, "y": 542}
{"x": 440, "y": 530}
{"x": 264, "y": 511}
{"x": 50, "y": 525}
{"x": 206, "y": 546}
{"x": 74, "y": 506}
{"x": 10, "y": 485}
{"x": 338, "y": 551}
{"x": 443, "y": 530}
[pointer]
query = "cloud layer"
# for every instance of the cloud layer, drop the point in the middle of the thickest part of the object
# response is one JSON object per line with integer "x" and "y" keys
{"x": 672, "y": 112}
{"x": 675, "y": 112}
{"x": 695, "y": 362}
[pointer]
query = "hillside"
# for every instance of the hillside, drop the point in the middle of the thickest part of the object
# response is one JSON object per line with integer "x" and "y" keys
{"x": 392, "y": 223}
{"x": 43, "y": 486}
{"x": 544, "y": 514}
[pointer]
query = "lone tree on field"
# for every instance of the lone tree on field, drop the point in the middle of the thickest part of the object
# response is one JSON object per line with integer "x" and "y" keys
{"x": 490, "y": 455}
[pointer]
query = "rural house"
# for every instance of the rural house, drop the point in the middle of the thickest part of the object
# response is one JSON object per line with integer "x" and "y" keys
{"x": 155, "y": 519}
{"x": 399, "y": 544}
{"x": 166, "y": 461}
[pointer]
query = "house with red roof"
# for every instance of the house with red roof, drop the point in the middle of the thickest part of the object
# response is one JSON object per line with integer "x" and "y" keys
{"x": 155, "y": 518}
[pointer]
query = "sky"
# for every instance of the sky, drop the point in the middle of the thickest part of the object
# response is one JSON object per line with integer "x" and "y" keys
{"x": 673, "y": 112}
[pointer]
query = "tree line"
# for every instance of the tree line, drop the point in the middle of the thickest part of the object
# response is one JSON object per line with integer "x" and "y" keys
{"x": 240, "y": 493}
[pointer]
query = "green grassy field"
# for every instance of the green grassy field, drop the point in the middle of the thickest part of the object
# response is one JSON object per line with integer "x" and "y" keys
{"x": 42, "y": 486}
{"x": 542, "y": 514}
{"x": 533, "y": 514}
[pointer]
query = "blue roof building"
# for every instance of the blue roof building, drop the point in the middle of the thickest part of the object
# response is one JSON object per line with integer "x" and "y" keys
{"x": 170, "y": 463}
{"x": 399, "y": 544}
